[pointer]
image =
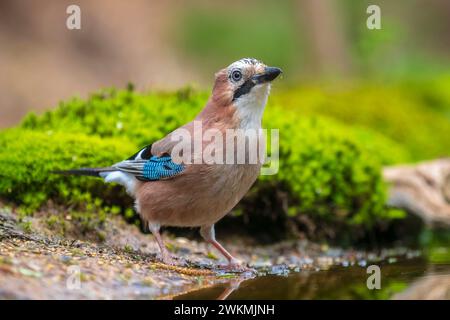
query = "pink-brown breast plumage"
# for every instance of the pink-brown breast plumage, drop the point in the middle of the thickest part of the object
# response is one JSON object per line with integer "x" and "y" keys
{"x": 203, "y": 193}
{"x": 201, "y": 196}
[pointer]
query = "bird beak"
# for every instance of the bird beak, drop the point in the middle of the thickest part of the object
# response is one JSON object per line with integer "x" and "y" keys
{"x": 269, "y": 74}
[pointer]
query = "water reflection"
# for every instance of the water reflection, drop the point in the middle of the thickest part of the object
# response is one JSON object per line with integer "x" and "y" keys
{"x": 403, "y": 279}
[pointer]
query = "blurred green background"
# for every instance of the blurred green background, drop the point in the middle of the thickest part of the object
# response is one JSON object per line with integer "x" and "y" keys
{"x": 172, "y": 43}
{"x": 313, "y": 39}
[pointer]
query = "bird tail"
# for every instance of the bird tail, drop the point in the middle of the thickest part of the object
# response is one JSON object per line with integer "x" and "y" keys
{"x": 92, "y": 172}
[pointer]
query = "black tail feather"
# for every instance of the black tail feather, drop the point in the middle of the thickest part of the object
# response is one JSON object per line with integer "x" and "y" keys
{"x": 92, "y": 172}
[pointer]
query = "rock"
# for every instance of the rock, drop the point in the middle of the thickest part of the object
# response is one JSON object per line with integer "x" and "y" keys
{"x": 422, "y": 189}
{"x": 435, "y": 287}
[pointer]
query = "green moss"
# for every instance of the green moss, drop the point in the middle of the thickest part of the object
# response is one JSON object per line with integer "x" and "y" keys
{"x": 28, "y": 157}
{"x": 140, "y": 118}
{"x": 330, "y": 170}
{"x": 128, "y": 248}
{"x": 416, "y": 115}
{"x": 332, "y": 147}
{"x": 26, "y": 226}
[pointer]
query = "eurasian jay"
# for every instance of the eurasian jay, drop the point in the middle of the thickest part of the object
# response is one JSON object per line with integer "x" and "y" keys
{"x": 183, "y": 193}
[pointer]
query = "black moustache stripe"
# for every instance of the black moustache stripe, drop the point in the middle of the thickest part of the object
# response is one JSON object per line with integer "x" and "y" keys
{"x": 244, "y": 88}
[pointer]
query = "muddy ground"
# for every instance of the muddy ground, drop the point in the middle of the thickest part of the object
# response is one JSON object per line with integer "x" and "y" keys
{"x": 37, "y": 264}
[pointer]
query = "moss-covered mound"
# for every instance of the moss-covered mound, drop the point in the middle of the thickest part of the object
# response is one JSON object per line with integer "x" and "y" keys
{"x": 329, "y": 171}
{"x": 28, "y": 157}
{"x": 414, "y": 114}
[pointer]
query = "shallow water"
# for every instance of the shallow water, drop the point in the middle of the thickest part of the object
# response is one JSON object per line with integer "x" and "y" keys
{"x": 400, "y": 278}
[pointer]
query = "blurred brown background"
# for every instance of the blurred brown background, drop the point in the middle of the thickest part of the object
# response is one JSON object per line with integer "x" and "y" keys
{"x": 167, "y": 44}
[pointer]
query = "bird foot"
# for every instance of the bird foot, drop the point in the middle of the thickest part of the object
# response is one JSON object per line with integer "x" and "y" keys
{"x": 169, "y": 260}
{"x": 236, "y": 266}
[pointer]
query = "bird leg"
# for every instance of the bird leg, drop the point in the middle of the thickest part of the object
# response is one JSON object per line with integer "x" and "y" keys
{"x": 208, "y": 233}
{"x": 165, "y": 254}
{"x": 232, "y": 286}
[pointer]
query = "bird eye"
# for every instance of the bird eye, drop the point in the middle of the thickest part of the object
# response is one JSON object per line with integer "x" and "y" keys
{"x": 236, "y": 75}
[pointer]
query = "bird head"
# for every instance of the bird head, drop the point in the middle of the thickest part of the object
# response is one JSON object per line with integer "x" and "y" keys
{"x": 245, "y": 84}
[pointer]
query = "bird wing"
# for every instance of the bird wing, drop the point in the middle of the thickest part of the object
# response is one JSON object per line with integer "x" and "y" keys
{"x": 154, "y": 162}
{"x": 166, "y": 144}
{"x": 148, "y": 167}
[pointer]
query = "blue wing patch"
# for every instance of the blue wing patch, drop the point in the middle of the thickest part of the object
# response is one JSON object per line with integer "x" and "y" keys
{"x": 147, "y": 167}
{"x": 157, "y": 168}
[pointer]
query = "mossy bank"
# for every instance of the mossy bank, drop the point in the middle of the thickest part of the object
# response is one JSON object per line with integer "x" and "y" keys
{"x": 329, "y": 171}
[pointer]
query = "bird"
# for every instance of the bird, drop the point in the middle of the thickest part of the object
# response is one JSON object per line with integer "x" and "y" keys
{"x": 175, "y": 189}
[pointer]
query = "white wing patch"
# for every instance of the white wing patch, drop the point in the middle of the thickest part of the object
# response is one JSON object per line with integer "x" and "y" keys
{"x": 125, "y": 179}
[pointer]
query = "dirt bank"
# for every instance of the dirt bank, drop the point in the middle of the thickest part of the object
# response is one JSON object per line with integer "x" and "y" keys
{"x": 37, "y": 264}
